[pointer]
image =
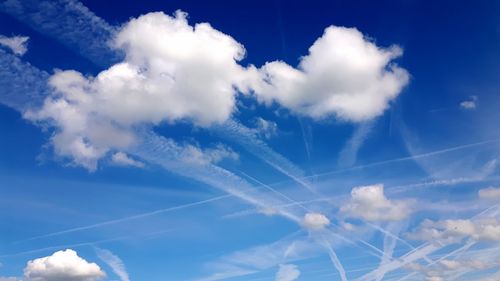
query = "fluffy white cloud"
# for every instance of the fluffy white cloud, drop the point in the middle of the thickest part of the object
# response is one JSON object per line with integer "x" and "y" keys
{"x": 62, "y": 266}
{"x": 490, "y": 193}
{"x": 315, "y": 221}
{"x": 172, "y": 71}
{"x": 345, "y": 75}
{"x": 452, "y": 231}
{"x": 287, "y": 272}
{"x": 17, "y": 44}
{"x": 369, "y": 203}
{"x": 122, "y": 159}
{"x": 470, "y": 103}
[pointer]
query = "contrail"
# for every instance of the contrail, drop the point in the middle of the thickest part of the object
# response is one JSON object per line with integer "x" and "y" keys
{"x": 129, "y": 218}
{"x": 92, "y": 243}
{"x": 69, "y": 22}
{"x": 335, "y": 260}
{"x": 114, "y": 262}
{"x": 413, "y": 157}
{"x": 246, "y": 138}
{"x": 22, "y": 85}
{"x": 277, "y": 192}
{"x": 420, "y": 252}
{"x": 348, "y": 154}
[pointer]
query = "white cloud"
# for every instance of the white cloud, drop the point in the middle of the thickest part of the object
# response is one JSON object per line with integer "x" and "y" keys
{"x": 345, "y": 75}
{"x": 443, "y": 269}
{"x": 287, "y": 272}
{"x": 195, "y": 155}
{"x": 9, "y": 279}
{"x": 219, "y": 153}
{"x": 17, "y": 44}
{"x": 122, "y": 159}
{"x": 266, "y": 128}
{"x": 469, "y": 104}
{"x": 450, "y": 264}
{"x": 172, "y": 72}
{"x": 69, "y": 22}
{"x": 114, "y": 262}
{"x": 490, "y": 193}
{"x": 348, "y": 226}
{"x": 315, "y": 221}
{"x": 462, "y": 264}
{"x": 268, "y": 211}
{"x": 452, "y": 231}
{"x": 62, "y": 266}
{"x": 369, "y": 203}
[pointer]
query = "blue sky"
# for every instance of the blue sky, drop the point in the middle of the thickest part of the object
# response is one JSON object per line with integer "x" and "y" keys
{"x": 263, "y": 140}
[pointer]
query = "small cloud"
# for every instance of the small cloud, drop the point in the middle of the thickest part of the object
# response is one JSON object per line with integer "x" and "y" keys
{"x": 287, "y": 272}
{"x": 315, "y": 221}
{"x": 490, "y": 193}
{"x": 371, "y": 204}
{"x": 17, "y": 44}
{"x": 221, "y": 152}
{"x": 195, "y": 155}
{"x": 469, "y": 104}
{"x": 266, "y": 128}
{"x": 268, "y": 211}
{"x": 453, "y": 231}
{"x": 123, "y": 159}
{"x": 450, "y": 264}
{"x": 63, "y": 265}
{"x": 348, "y": 226}
{"x": 434, "y": 278}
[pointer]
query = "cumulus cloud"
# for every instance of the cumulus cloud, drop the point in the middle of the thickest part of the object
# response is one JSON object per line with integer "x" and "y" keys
{"x": 371, "y": 204}
{"x": 470, "y": 103}
{"x": 490, "y": 193}
{"x": 17, "y": 44}
{"x": 345, "y": 75}
{"x": 452, "y": 231}
{"x": 62, "y": 266}
{"x": 287, "y": 272}
{"x": 122, "y": 159}
{"x": 172, "y": 71}
{"x": 315, "y": 221}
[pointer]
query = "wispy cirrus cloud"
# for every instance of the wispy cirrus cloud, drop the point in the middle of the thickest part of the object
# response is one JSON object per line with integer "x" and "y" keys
{"x": 77, "y": 27}
{"x": 114, "y": 262}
